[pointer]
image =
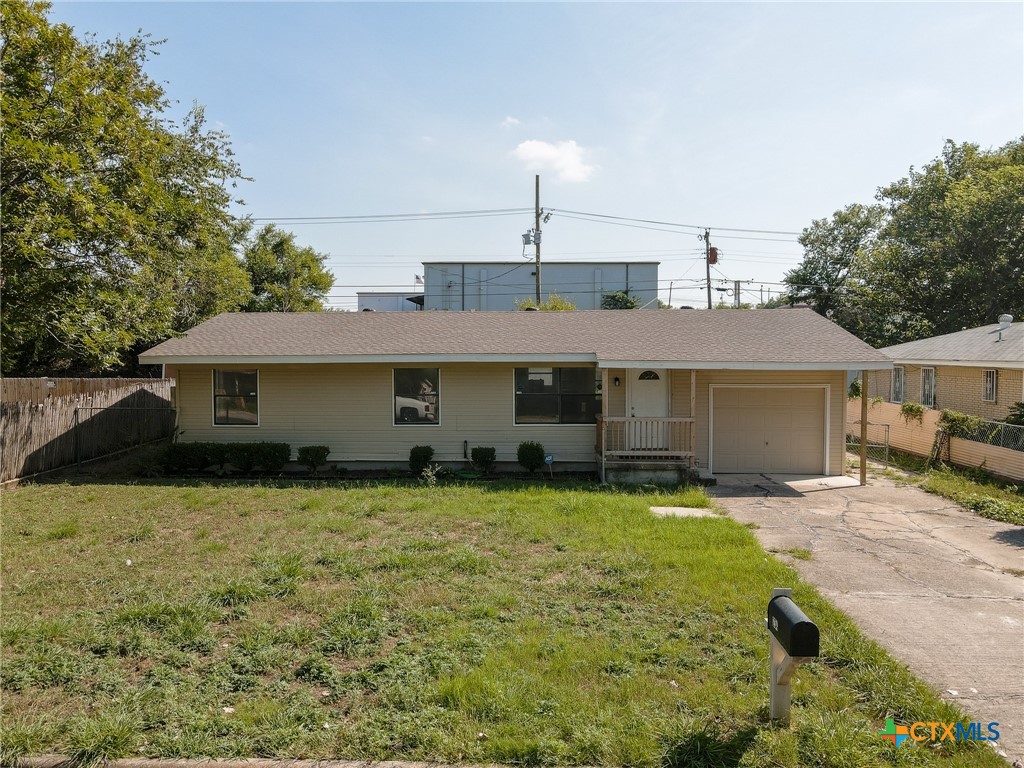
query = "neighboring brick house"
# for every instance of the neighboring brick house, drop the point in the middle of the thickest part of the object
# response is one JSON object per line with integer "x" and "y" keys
{"x": 978, "y": 371}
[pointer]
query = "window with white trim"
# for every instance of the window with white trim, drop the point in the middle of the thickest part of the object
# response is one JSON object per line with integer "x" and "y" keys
{"x": 236, "y": 399}
{"x": 557, "y": 395}
{"x": 928, "y": 387}
{"x": 897, "y": 385}
{"x": 991, "y": 389}
{"x": 416, "y": 395}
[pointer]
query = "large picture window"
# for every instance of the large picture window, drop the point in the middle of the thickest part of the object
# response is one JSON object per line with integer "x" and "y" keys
{"x": 557, "y": 395}
{"x": 416, "y": 395}
{"x": 236, "y": 399}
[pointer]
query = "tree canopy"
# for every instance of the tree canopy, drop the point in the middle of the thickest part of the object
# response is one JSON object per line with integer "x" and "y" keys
{"x": 116, "y": 223}
{"x": 942, "y": 249}
{"x": 284, "y": 276}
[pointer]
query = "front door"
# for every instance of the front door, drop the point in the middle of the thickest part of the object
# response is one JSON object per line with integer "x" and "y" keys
{"x": 648, "y": 396}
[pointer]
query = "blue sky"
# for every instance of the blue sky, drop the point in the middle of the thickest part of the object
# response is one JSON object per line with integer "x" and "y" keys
{"x": 742, "y": 115}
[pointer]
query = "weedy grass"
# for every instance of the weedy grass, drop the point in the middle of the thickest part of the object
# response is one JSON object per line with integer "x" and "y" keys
{"x": 500, "y": 622}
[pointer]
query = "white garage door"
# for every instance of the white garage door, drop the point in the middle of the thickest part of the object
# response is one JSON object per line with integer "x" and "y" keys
{"x": 768, "y": 429}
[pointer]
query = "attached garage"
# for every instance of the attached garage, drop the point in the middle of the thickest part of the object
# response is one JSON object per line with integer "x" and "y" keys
{"x": 768, "y": 428}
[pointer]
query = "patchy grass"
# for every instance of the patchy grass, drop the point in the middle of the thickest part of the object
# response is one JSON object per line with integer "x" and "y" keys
{"x": 504, "y": 622}
{"x": 797, "y": 553}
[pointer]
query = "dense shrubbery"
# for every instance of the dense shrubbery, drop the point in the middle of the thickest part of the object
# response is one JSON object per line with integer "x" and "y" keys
{"x": 196, "y": 457}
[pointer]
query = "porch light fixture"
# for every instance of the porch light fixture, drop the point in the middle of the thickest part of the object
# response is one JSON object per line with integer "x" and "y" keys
{"x": 616, "y": 381}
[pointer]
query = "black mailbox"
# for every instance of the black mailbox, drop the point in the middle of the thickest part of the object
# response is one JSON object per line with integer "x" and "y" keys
{"x": 797, "y": 634}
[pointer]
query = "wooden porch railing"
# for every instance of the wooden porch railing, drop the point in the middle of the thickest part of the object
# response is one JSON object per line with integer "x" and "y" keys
{"x": 623, "y": 437}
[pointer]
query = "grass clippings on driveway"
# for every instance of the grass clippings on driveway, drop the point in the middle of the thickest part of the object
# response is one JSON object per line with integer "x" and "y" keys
{"x": 513, "y": 624}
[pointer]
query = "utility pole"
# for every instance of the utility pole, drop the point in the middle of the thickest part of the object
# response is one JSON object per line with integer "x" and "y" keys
{"x": 736, "y": 293}
{"x": 707, "y": 261}
{"x": 536, "y": 231}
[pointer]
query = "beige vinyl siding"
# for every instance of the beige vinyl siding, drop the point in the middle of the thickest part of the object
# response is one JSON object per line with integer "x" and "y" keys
{"x": 615, "y": 397}
{"x": 836, "y": 405}
{"x": 680, "y": 397}
{"x": 349, "y": 407}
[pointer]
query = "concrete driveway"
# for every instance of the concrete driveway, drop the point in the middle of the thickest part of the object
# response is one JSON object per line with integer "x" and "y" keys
{"x": 942, "y": 589}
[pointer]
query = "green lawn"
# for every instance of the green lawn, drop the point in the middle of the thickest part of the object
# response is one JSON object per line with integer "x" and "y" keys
{"x": 507, "y": 623}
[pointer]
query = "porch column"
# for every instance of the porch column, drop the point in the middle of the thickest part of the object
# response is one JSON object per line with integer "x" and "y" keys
{"x": 863, "y": 427}
{"x": 693, "y": 415}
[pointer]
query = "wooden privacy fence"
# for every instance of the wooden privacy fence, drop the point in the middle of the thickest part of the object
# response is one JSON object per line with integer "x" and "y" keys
{"x": 918, "y": 439}
{"x": 41, "y": 389}
{"x": 36, "y": 437}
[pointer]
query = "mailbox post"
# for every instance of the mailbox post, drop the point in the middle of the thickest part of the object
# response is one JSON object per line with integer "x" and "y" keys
{"x": 794, "y": 640}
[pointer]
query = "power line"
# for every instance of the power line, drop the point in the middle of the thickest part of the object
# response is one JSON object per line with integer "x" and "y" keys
{"x": 676, "y": 224}
{"x": 391, "y": 217}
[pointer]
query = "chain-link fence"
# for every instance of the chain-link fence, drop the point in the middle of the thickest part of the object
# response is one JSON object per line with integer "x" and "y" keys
{"x": 877, "y": 441}
{"x": 996, "y": 433}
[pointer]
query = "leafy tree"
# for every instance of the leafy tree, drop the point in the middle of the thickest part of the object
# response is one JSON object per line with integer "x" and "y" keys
{"x": 284, "y": 277}
{"x": 942, "y": 250}
{"x": 619, "y": 300}
{"x": 553, "y": 303}
{"x": 833, "y": 250}
{"x": 951, "y": 253}
{"x": 116, "y": 224}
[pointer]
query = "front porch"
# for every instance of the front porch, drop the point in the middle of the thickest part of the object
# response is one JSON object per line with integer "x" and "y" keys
{"x": 645, "y": 448}
{"x": 646, "y": 431}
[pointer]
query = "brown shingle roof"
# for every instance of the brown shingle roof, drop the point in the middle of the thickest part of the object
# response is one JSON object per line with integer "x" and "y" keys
{"x": 783, "y": 337}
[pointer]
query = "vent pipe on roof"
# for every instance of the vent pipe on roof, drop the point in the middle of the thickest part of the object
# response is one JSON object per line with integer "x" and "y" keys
{"x": 1004, "y": 322}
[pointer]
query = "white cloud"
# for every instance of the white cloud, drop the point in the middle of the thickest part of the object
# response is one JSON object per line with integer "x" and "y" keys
{"x": 566, "y": 158}
{"x": 510, "y": 121}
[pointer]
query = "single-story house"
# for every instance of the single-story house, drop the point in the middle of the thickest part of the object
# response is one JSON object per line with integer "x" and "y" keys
{"x": 979, "y": 371}
{"x": 617, "y": 390}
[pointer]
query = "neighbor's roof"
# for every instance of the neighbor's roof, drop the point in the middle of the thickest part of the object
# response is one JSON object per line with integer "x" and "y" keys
{"x": 971, "y": 348}
{"x": 741, "y": 339}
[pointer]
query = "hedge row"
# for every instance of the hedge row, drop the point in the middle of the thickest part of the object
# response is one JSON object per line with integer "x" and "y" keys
{"x": 269, "y": 457}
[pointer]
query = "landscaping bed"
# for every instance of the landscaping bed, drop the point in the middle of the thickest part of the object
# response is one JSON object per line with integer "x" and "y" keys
{"x": 502, "y": 622}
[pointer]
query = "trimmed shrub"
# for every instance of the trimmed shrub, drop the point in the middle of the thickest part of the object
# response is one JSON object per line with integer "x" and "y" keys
{"x": 420, "y": 457}
{"x": 483, "y": 458}
{"x": 530, "y": 455}
{"x": 194, "y": 457}
{"x": 269, "y": 457}
{"x": 313, "y": 456}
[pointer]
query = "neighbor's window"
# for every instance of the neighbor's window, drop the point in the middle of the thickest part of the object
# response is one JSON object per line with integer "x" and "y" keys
{"x": 928, "y": 387}
{"x": 557, "y": 395}
{"x": 991, "y": 385}
{"x": 236, "y": 398}
{"x": 416, "y": 395}
{"x": 897, "y": 385}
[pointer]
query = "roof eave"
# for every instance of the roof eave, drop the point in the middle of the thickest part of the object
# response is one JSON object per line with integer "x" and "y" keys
{"x": 171, "y": 359}
{"x": 740, "y": 365}
{"x": 932, "y": 362}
